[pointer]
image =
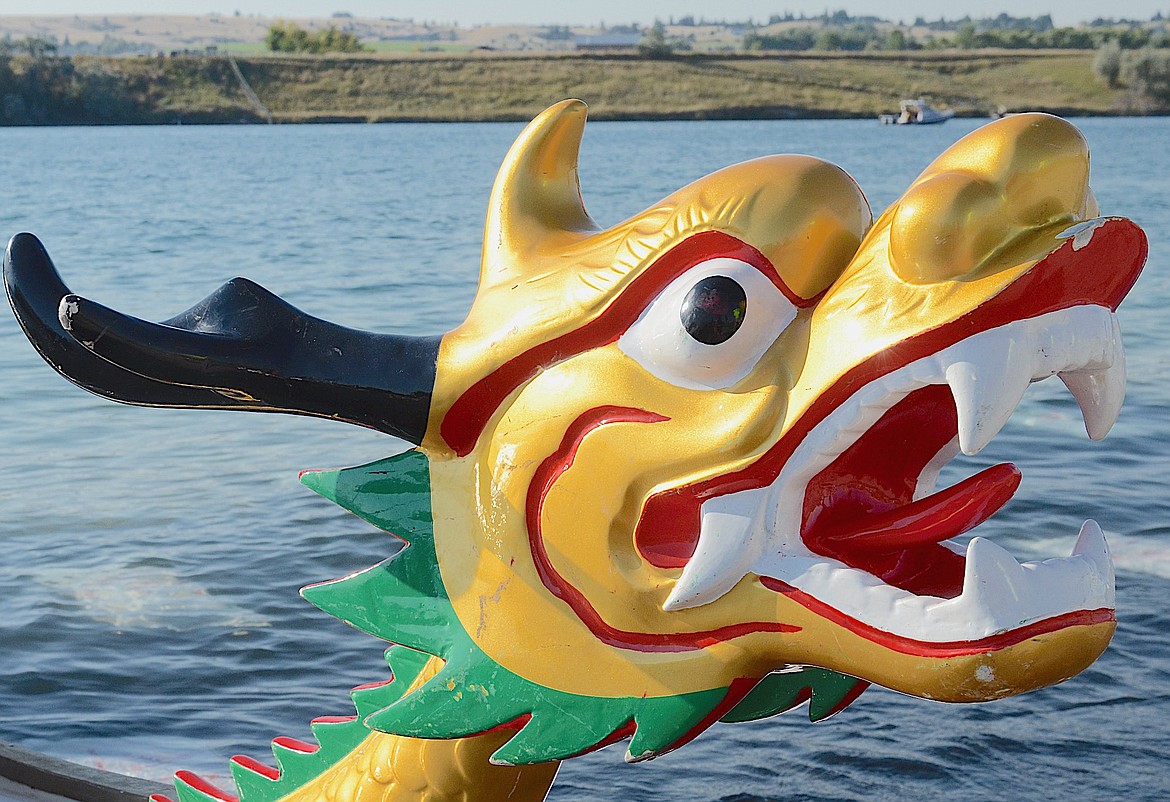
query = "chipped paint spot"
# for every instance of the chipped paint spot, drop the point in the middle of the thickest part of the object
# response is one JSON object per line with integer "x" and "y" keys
{"x": 1082, "y": 233}
{"x": 483, "y": 603}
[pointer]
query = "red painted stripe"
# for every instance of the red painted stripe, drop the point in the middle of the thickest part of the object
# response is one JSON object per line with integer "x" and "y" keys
{"x": 371, "y": 685}
{"x": 738, "y": 689}
{"x": 204, "y": 787}
{"x": 542, "y": 482}
{"x": 622, "y": 732}
{"x": 858, "y": 688}
{"x": 467, "y": 417}
{"x": 802, "y": 697}
{"x": 256, "y": 767}
{"x": 160, "y": 798}
{"x": 941, "y": 649}
{"x": 295, "y": 745}
{"x": 512, "y": 725}
{"x": 333, "y": 719}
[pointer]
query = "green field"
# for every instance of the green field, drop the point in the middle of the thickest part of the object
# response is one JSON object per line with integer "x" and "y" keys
{"x": 378, "y": 87}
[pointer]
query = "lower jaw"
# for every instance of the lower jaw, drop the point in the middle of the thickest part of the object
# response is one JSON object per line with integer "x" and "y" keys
{"x": 1034, "y": 663}
{"x": 994, "y": 668}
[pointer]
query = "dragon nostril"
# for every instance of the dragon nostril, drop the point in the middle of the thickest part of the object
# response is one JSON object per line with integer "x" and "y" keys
{"x": 714, "y": 310}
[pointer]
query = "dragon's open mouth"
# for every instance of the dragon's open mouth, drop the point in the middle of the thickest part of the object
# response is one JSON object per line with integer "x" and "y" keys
{"x": 852, "y": 524}
{"x": 890, "y": 538}
{"x": 893, "y": 524}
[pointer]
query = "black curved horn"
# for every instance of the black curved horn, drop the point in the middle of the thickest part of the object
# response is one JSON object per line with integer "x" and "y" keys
{"x": 240, "y": 348}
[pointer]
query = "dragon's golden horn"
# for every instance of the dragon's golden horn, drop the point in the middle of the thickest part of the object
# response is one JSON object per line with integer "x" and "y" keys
{"x": 536, "y": 201}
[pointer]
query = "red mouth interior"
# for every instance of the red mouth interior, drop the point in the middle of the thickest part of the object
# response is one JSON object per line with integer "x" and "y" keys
{"x": 861, "y": 510}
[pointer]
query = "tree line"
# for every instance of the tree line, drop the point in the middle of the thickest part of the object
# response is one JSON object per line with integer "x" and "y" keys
{"x": 859, "y": 36}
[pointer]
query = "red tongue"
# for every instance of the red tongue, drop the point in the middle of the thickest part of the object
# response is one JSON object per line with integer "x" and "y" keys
{"x": 861, "y": 509}
{"x": 929, "y": 520}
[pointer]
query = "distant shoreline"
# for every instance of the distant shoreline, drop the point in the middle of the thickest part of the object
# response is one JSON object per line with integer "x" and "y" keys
{"x": 92, "y": 90}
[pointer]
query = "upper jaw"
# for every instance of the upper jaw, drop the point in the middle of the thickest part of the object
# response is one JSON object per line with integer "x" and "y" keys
{"x": 758, "y": 531}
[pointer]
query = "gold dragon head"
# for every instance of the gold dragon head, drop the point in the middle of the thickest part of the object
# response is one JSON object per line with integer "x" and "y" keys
{"x": 702, "y": 445}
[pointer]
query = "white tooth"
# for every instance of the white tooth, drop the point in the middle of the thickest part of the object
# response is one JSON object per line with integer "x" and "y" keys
{"x": 992, "y": 580}
{"x": 728, "y": 545}
{"x": 987, "y": 387}
{"x": 1100, "y": 393}
{"x": 1091, "y": 546}
{"x": 1091, "y": 543}
{"x": 928, "y": 479}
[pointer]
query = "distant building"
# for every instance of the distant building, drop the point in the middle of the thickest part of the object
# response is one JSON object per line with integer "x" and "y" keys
{"x": 608, "y": 41}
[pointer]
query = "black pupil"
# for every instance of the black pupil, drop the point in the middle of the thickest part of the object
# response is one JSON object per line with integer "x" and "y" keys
{"x": 713, "y": 310}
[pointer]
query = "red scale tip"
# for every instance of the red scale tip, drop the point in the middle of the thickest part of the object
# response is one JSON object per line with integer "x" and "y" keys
{"x": 204, "y": 787}
{"x": 256, "y": 767}
{"x": 295, "y": 745}
{"x": 333, "y": 719}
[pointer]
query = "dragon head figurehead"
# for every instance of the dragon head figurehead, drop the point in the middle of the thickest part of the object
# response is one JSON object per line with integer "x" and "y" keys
{"x": 684, "y": 468}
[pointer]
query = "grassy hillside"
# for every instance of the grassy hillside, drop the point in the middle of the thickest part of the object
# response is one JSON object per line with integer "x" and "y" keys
{"x": 627, "y": 87}
{"x": 496, "y": 87}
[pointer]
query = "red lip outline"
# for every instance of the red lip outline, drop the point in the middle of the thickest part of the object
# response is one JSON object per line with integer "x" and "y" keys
{"x": 940, "y": 649}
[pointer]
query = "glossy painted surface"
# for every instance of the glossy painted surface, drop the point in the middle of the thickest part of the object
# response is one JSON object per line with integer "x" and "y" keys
{"x": 240, "y": 348}
{"x": 707, "y": 463}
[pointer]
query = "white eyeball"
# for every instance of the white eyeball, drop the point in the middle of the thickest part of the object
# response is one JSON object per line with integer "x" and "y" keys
{"x": 709, "y": 327}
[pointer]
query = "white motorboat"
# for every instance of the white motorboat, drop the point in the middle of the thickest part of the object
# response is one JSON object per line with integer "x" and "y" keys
{"x": 916, "y": 112}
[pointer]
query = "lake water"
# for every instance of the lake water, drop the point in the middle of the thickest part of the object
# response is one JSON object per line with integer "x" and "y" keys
{"x": 149, "y": 617}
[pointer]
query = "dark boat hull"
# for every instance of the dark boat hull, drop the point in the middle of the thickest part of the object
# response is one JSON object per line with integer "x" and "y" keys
{"x": 23, "y": 768}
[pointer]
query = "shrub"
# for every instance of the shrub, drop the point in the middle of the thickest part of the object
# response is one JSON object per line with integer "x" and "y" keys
{"x": 1149, "y": 74}
{"x": 654, "y": 43}
{"x": 287, "y": 37}
{"x": 1107, "y": 63}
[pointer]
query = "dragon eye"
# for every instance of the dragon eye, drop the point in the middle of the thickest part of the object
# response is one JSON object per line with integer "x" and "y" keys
{"x": 697, "y": 333}
{"x": 713, "y": 310}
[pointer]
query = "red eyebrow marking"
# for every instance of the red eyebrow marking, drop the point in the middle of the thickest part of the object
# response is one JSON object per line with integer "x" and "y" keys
{"x": 467, "y": 417}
